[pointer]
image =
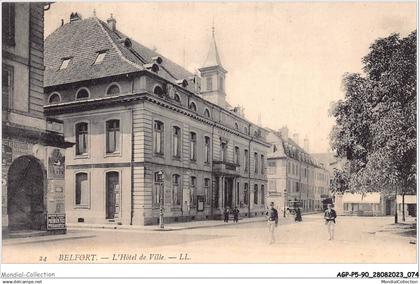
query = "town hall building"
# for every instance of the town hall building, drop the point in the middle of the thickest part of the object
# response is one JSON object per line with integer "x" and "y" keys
{"x": 147, "y": 132}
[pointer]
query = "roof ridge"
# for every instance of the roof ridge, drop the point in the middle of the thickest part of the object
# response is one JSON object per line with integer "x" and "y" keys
{"x": 115, "y": 46}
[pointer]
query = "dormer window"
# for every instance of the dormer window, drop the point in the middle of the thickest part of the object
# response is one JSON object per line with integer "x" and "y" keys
{"x": 65, "y": 63}
{"x": 177, "y": 98}
{"x": 100, "y": 57}
{"x": 207, "y": 113}
{"x": 158, "y": 91}
{"x": 54, "y": 98}
{"x": 114, "y": 89}
{"x": 193, "y": 107}
{"x": 82, "y": 93}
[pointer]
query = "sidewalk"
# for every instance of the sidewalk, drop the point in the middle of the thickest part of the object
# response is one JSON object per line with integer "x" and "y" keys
{"x": 168, "y": 227}
{"x": 82, "y": 231}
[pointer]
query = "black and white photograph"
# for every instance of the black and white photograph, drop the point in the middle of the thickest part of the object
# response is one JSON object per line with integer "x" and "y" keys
{"x": 269, "y": 133}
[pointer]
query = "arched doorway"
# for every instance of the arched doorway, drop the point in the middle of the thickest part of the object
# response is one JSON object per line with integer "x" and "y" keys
{"x": 25, "y": 194}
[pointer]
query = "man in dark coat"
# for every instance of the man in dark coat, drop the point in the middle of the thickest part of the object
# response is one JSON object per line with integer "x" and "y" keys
{"x": 226, "y": 214}
{"x": 235, "y": 214}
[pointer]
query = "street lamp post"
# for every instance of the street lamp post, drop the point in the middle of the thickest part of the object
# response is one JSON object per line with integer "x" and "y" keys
{"x": 161, "y": 216}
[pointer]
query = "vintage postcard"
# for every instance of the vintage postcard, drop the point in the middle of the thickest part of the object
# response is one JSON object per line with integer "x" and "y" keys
{"x": 210, "y": 133}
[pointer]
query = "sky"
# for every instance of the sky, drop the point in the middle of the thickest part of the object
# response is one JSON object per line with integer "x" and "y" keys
{"x": 285, "y": 61}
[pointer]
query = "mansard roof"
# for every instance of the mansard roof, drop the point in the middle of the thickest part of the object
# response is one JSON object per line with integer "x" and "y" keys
{"x": 81, "y": 40}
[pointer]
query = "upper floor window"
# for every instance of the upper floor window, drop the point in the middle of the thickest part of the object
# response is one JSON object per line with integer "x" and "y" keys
{"x": 256, "y": 162}
{"x": 236, "y": 157}
{"x": 100, "y": 57}
{"x": 209, "y": 82}
{"x": 246, "y": 130}
{"x": 207, "y": 113}
{"x": 54, "y": 98}
{"x": 207, "y": 149}
{"x": 176, "y": 190}
{"x": 176, "y": 141}
{"x": 81, "y": 138}
{"x": 223, "y": 151}
{"x": 82, "y": 190}
{"x": 112, "y": 136}
{"x": 262, "y": 164}
{"x": 7, "y": 86}
{"x": 158, "y": 137}
{"x": 193, "y": 146}
{"x": 193, "y": 107}
{"x": 65, "y": 63}
{"x": 114, "y": 89}
{"x": 83, "y": 93}
{"x": 246, "y": 158}
{"x": 8, "y": 23}
{"x": 236, "y": 126}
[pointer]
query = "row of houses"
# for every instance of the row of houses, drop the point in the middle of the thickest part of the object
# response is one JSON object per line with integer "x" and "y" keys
{"x": 295, "y": 178}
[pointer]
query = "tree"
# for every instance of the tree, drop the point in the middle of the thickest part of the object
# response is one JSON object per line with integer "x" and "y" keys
{"x": 376, "y": 122}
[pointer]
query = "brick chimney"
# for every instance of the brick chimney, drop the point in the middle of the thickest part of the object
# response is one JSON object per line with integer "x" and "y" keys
{"x": 75, "y": 17}
{"x": 112, "y": 23}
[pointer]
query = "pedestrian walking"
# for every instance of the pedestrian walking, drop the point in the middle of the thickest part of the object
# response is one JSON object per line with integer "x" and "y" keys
{"x": 272, "y": 221}
{"x": 298, "y": 217}
{"x": 226, "y": 214}
{"x": 235, "y": 214}
{"x": 329, "y": 216}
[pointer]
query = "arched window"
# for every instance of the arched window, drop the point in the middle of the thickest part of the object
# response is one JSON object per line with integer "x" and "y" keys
{"x": 54, "y": 98}
{"x": 82, "y": 93}
{"x": 158, "y": 91}
{"x": 193, "y": 107}
{"x": 207, "y": 113}
{"x": 81, "y": 138}
{"x": 114, "y": 89}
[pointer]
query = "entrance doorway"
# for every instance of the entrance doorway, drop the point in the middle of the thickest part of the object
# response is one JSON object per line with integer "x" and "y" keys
{"x": 228, "y": 194}
{"x": 112, "y": 194}
{"x": 388, "y": 207}
{"x": 25, "y": 194}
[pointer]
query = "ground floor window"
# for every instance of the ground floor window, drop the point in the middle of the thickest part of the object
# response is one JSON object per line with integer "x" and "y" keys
{"x": 207, "y": 190}
{"x": 82, "y": 190}
{"x": 246, "y": 194}
{"x": 256, "y": 194}
{"x": 156, "y": 189}
{"x": 176, "y": 190}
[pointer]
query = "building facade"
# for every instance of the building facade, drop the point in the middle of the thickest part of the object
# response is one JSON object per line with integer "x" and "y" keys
{"x": 32, "y": 147}
{"x": 295, "y": 179}
{"x": 148, "y": 133}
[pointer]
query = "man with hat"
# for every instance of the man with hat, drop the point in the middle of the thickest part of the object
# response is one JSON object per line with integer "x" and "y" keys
{"x": 272, "y": 221}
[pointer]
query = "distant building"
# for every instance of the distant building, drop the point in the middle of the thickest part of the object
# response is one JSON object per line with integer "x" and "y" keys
{"x": 32, "y": 148}
{"x": 294, "y": 176}
{"x": 133, "y": 114}
{"x": 368, "y": 204}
